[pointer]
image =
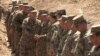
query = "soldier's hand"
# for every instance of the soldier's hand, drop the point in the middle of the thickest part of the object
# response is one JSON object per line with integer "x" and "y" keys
{"x": 36, "y": 37}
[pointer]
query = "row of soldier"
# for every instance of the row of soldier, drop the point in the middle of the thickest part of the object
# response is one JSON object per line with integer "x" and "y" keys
{"x": 42, "y": 33}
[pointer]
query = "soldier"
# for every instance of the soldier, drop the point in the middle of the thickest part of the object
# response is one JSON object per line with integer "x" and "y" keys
{"x": 9, "y": 27}
{"x": 52, "y": 21}
{"x": 31, "y": 29}
{"x": 58, "y": 29}
{"x": 70, "y": 41}
{"x": 42, "y": 42}
{"x": 61, "y": 12}
{"x": 41, "y": 12}
{"x": 95, "y": 40}
{"x": 17, "y": 24}
{"x": 68, "y": 24}
{"x": 82, "y": 45}
{"x": 20, "y": 7}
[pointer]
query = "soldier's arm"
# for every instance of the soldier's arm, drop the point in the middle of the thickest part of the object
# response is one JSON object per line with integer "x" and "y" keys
{"x": 18, "y": 19}
{"x": 79, "y": 48}
{"x": 25, "y": 27}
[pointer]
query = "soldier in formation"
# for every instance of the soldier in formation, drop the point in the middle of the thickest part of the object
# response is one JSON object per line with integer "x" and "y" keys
{"x": 34, "y": 32}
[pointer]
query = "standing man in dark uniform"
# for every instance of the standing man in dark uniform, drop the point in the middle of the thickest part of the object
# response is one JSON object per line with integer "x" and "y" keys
{"x": 17, "y": 23}
{"x": 68, "y": 24}
{"x": 82, "y": 43}
{"x": 58, "y": 29}
{"x": 31, "y": 29}
{"x": 9, "y": 27}
{"x": 95, "y": 40}
{"x": 52, "y": 20}
{"x": 42, "y": 42}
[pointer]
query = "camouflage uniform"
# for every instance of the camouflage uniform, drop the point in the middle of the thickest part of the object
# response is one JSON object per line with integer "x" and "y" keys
{"x": 49, "y": 42}
{"x": 69, "y": 43}
{"x": 82, "y": 45}
{"x": 27, "y": 42}
{"x": 17, "y": 24}
{"x": 10, "y": 28}
{"x": 95, "y": 51}
{"x": 62, "y": 41}
{"x": 57, "y": 34}
{"x": 42, "y": 42}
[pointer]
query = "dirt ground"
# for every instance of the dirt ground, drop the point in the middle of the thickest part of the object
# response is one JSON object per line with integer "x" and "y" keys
{"x": 4, "y": 50}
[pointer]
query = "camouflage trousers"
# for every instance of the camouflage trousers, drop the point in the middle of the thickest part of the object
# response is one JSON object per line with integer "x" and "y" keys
{"x": 51, "y": 51}
{"x": 11, "y": 38}
{"x": 41, "y": 45}
{"x": 27, "y": 51}
{"x": 27, "y": 46}
{"x": 16, "y": 42}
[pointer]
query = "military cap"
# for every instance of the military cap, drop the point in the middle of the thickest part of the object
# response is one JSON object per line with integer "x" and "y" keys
{"x": 53, "y": 15}
{"x": 94, "y": 29}
{"x": 25, "y": 3}
{"x": 34, "y": 11}
{"x": 28, "y": 7}
{"x": 43, "y": 12}
{"x": 66, "y": 17}
{"x": 79, "y": 19}
{"x": 20, "y": 4}
{"x": 16, "y": 6}
{"x": 31, "y": 8}
{"x": 61, "y": 12}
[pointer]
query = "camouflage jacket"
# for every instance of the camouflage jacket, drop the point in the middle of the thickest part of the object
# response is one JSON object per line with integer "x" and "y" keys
{"x": 56, "y": 35}
{"x": 17, "y": 21}
{"x": 69, "y": 43}
{"x": 82, "y": 45}
{"x": 95, "y": 51}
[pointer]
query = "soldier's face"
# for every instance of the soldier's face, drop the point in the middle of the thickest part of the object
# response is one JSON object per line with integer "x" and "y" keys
{"x": 34, "y": 14}
{"x": 26, "y": 9}
{"x": 82, "y": 27}
{"x": 50, "y": 18}
{"x": 73, "y": 27}
{"x": 21, "y": 7}
{"x": 68, "y": 24}
{"x": 45, "y": 18}
{"x": 39, "y": 17}
{"x": 62, "y": 23}
{"x": 58, "y": 17}
{"x": 95, "y": 40}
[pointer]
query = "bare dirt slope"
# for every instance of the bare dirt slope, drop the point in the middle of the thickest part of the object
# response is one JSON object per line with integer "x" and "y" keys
{"x": 4, "y": 50}
{"x": 89, "y": 8}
